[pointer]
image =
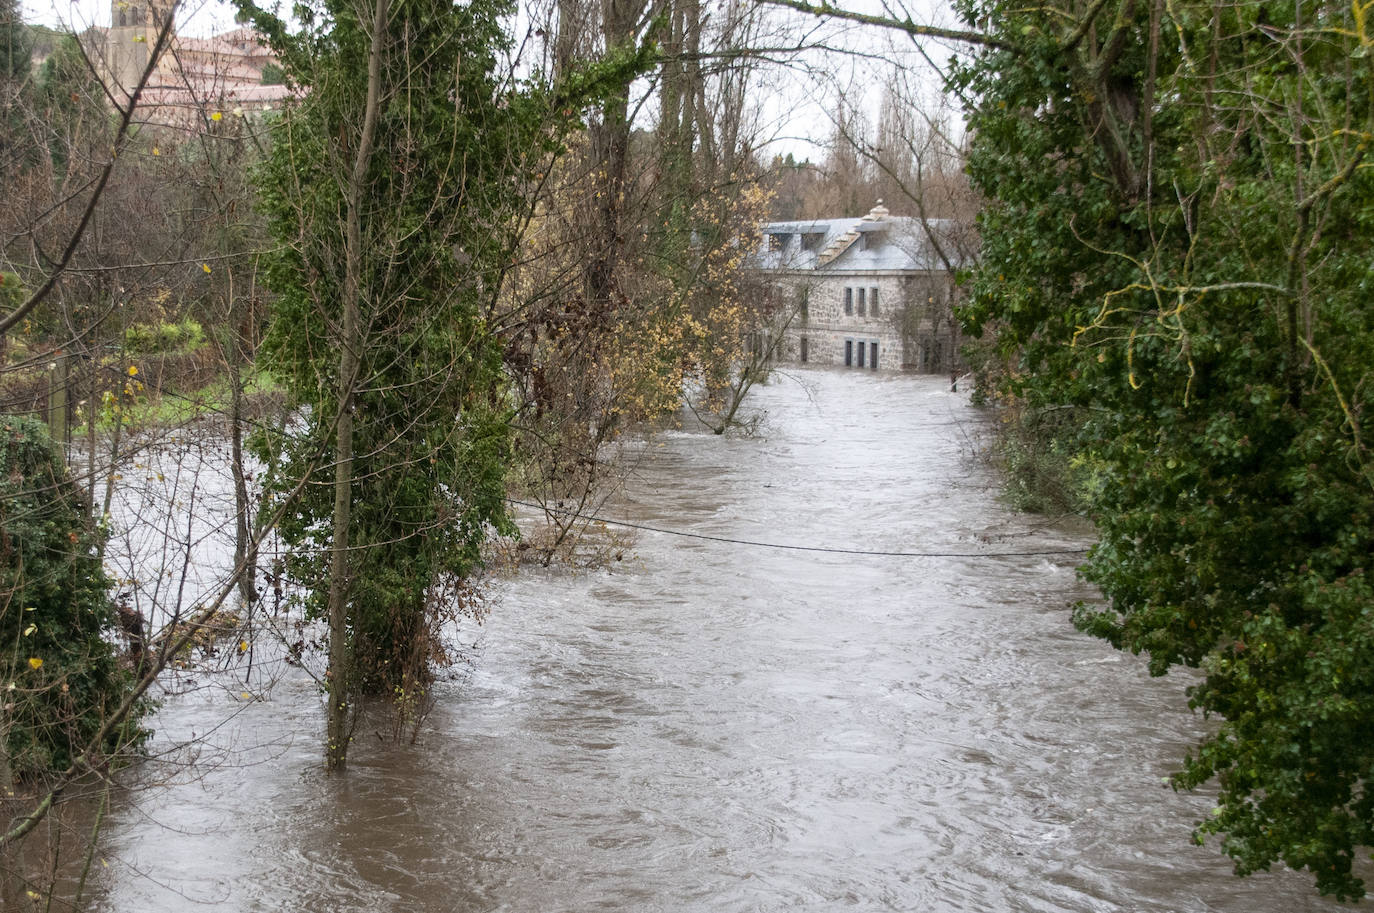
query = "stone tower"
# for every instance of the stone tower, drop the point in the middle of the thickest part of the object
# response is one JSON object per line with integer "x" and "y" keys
{"x": 134, "y": 27}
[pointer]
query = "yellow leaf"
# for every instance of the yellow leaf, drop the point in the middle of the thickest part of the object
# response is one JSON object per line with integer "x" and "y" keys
{"x": 156, "y": 151}
{"x": 35, "y": 662}
{"x": 29, "y": 630}
{"x": 133, "y": 370}
{"x": 206, "y": 266}
{"x": 243, "y": 646}
{"x": 216, "y": 116}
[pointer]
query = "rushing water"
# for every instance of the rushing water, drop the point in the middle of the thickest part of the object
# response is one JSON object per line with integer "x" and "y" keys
{"x": 721, "y": 727}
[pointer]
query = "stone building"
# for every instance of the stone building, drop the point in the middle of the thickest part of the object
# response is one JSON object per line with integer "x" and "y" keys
{"x": 130, "y": 39}
{"x": 873, "y": 292}
{"x": 194, "y": 79}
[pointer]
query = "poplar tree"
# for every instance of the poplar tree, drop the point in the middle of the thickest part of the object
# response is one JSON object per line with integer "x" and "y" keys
{"x": 392, "y": 188}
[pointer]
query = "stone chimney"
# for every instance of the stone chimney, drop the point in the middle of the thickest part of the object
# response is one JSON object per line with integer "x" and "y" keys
{"x": 877, "y": 213}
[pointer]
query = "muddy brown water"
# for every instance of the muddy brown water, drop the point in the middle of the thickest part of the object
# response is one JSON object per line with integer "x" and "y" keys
{"x": 720, "y": 727}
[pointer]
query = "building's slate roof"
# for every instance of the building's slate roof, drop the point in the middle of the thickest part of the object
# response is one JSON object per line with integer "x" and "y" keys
{"x": 832, "y": 244}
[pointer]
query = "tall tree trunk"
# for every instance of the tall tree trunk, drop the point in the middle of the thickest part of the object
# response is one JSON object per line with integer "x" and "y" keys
{"x": 610, "y": 142}
{"x": 245, "y": 551}
{"x": 339, "y": 712}
{"x": 245, "y": 554}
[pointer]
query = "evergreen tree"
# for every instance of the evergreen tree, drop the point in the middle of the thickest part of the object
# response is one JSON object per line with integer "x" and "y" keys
{"x": 15, "y": 48}
{"x": 15, "y": 44}
{"x": 71, "y": 117}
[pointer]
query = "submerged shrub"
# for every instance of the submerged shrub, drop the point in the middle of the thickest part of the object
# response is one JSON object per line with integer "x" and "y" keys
{"x": 59, "y": 667}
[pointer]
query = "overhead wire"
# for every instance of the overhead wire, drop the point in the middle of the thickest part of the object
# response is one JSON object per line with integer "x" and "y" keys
{"x": 876, "y": 553}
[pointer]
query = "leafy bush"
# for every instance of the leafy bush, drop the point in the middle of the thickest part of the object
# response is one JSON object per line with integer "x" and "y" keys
{"x": 164, "y": 338}
{"x": 1043, "y": 470}
{"x": 58, "y": 663}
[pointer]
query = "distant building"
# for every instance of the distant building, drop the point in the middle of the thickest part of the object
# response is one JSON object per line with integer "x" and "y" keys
{"x": 195, "y": 78}
{"x": 872, "y": 292}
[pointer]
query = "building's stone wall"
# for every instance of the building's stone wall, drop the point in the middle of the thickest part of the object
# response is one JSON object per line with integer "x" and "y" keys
{"x": 903, "y": 328}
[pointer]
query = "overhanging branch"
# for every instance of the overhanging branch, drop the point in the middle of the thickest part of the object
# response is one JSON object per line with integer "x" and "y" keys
{"x": 902, "y": 25}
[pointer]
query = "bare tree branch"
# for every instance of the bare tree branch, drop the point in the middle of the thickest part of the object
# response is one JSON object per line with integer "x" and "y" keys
{"x": 121, "y": 139}
{"x": 902, "y": 25}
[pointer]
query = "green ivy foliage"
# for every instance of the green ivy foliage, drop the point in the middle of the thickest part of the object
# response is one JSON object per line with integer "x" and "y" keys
{"x": 60, "y": 673}
{"x": 1176, "y": 247}
{"x": 458, "y": 147}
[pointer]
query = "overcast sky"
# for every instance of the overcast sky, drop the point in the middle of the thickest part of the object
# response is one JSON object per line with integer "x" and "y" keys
{"x": 197, "y": 18}
{"x": 795, "y": 103}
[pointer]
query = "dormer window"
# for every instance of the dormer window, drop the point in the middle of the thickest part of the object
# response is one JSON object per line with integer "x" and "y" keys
{"x": 871, "y": 240}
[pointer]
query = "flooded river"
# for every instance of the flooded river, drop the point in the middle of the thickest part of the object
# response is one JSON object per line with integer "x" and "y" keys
{"x": 716, "y": 727}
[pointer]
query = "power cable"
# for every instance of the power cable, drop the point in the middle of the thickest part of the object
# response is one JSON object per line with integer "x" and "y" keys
{"x": 795, "y": 548}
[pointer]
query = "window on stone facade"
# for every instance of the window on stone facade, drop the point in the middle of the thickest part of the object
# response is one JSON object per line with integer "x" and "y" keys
{"x": 861, "y": 353}
{"x": 804, "y": 347}
{"x": 849, "y": 301}
{"x": 873, "y": 301}
{"x": 861, "y": 301}
{"x": 803, "y": 305}
{"x": 872, "y": 356}
{"x": 849, "y": 352}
